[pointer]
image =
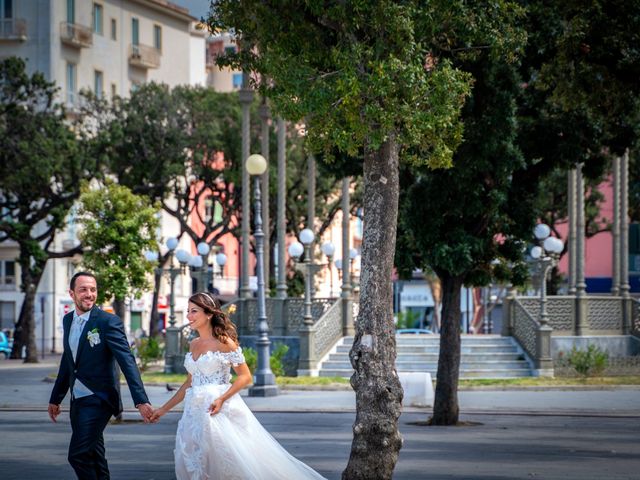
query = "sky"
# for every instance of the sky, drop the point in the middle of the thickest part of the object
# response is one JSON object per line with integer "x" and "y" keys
{"x": 197, "y": 8}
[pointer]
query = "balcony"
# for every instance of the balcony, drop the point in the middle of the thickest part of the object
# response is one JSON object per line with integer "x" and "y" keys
{"x": 13, "y": 29}
{"x": 143, "y": 56}
{"x": 75, "y": 35}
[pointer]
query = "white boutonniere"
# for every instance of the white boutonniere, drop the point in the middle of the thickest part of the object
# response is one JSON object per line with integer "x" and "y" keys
{"x": 94, "y": 337}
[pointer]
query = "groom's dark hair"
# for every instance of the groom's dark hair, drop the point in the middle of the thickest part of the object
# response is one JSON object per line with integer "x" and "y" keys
{"x": 72, "y": 283}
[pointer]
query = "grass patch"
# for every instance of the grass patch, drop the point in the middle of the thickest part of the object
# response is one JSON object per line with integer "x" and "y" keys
{"x": 174, "y": 378}
{"x": 312, "y": 381}
{"x": 550, "y": 381}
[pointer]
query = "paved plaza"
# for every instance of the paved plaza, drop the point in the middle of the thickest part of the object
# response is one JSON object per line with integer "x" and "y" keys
{"x": 544, "y": 434}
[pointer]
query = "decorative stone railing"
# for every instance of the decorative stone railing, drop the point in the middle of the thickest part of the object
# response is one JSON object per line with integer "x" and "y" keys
{"x": 566, "y": 316}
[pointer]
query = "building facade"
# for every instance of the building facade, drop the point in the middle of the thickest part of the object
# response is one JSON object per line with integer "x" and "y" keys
{"x": 109, "y": 47}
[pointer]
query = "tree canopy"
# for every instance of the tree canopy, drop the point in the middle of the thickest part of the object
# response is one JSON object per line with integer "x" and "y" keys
{"x": 43, "y": 158}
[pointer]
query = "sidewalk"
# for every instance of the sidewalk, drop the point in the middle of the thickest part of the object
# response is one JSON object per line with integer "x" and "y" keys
{"x": 24, "y": 387}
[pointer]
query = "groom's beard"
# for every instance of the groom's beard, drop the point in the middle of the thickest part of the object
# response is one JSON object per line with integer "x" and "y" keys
{"x": 84, "y": 305}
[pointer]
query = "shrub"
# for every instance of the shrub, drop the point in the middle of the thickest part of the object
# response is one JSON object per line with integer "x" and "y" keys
{"x": 148, "y": 349}
{"x": 590, "y": 362}
{"x": 275, "y": 360}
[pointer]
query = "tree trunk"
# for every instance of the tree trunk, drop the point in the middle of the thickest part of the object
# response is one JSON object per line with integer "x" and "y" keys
{"x": 445, "y": 407}
{"x": 376, "y": 439}
{"x": 155, "y": 315}
{"x": 25, "y": 330}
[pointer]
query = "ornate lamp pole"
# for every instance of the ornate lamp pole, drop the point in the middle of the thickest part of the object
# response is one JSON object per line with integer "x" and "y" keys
{"x": 329, "y": 249}
{"x": 265, "y": 383}
{"x": 203, "y": 262}
{"x": 306, "y": 238}
{"x": 221, "y": 261}
{"x": 547, "y": 256}
{"x": 172, "y": 332}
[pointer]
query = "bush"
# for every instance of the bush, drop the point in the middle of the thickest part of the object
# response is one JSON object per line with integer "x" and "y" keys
{"x": 407, "y": 319}
{"x": 148, "y": 349}
{"x": 588, "y": 363}
{"x": 275, "y": 360}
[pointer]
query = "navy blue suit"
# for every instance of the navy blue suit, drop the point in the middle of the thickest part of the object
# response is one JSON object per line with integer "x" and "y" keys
{"x": 95, "y": 368}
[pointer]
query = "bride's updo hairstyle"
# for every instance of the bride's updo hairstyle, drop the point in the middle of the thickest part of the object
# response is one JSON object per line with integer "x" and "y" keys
{"x": 222, "y": 327}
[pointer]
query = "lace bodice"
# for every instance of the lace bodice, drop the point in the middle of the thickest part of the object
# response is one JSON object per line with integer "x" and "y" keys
{"x": 212, "y": 367}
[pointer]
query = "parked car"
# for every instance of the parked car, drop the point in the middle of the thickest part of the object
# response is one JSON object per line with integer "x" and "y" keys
{"x": 5, "y": 345}
{"x": 413, "y": 331}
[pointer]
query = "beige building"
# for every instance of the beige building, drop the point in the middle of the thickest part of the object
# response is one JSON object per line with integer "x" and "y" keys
{"x": 222, "y": 79}
{"x": 109, "y": 47}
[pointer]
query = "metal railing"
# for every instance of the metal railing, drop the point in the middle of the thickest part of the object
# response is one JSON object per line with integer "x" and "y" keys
{"x": 13, "y": 29}
{"x": 76, "y": 35}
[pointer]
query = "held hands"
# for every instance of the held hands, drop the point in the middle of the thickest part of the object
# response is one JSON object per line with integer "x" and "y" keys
{"x": 146, "y": 411}
{"x": 216, "y": 406}
{"x": 157, "y": 413}
{"x": 54, "y": 411}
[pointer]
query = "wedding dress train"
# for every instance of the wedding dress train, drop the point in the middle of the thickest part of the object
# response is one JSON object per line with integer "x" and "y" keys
{"x": 231, "y": 445}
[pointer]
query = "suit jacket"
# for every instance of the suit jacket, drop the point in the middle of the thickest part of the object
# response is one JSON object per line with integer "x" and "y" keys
{"x": 95, "y": 365}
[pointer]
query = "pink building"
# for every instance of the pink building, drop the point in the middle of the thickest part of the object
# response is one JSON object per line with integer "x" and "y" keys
{"x": 599, "y": 249}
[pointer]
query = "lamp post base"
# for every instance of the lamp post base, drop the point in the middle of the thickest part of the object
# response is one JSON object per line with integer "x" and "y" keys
{"x": 263, "y": 391}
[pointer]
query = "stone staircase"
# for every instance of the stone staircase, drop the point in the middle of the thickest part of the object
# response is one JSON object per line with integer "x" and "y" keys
{"x": 482, "y": 356}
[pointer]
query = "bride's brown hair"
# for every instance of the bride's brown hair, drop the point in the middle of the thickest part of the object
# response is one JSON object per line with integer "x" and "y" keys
{"x": 221, "y": 326}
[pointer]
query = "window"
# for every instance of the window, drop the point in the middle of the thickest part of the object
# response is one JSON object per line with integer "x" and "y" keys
{"x": 157, "y": 37}
{"x": 71, "y": 11}
{"x": 98, "y": 83}
{"x": 7, "y": 273}
{"x": 135, "y": 31}
{"x": 237, "y": 80}
{"x": 6, "y": 8}
{"x": 230, "y": 50}
{"x": 7, "y": 315}
{"x": 71, "y": 83}
{"x": 114, "y": 90}
{"x": 97, "y": 18}
{"x": 114, "y": 29}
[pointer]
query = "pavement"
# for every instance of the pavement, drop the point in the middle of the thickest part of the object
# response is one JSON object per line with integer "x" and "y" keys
{"x": 507, "y": 434}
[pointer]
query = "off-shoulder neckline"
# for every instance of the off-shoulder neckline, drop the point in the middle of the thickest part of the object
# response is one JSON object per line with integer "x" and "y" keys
{"x": 239, "y": 349}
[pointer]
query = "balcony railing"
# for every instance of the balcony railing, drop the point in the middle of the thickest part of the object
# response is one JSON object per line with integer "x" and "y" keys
{"x": 13, "y": 29}
{"x": 144, "y": 56}
{"x": 76, "y": 35}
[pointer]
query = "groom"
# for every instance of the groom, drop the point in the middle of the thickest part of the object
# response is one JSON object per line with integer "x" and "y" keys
{"x": 93, "y": 340}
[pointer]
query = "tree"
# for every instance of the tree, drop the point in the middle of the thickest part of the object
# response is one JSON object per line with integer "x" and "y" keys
{"x": 117, "y": 226}
{"x": 363, "y": 78}
{"x": 593, "y": 63}
{"x": 459, "y": 221}
{"x": 42, "y": 161}
{"x": 178, "y": 147}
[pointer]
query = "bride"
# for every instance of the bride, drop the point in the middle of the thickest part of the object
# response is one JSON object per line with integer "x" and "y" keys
{"x": 218, "y": 437}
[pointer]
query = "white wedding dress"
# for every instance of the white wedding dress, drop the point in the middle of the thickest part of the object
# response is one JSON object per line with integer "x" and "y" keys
{"x": 231, "y": 445}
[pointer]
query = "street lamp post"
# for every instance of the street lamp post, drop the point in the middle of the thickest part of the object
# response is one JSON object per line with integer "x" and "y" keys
{"x": 329, "y": 249}
{"x": 547, "y": 256}
{"x": 203, "y": 251}
{"x": 353, "y": 254}
{"x": 265, "y": 384}
{"x": 221, "y": 261}
{"x": 306, "y": 237}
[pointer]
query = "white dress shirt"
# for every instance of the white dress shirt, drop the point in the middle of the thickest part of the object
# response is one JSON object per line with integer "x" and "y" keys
{"x": 77, "y": 325}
